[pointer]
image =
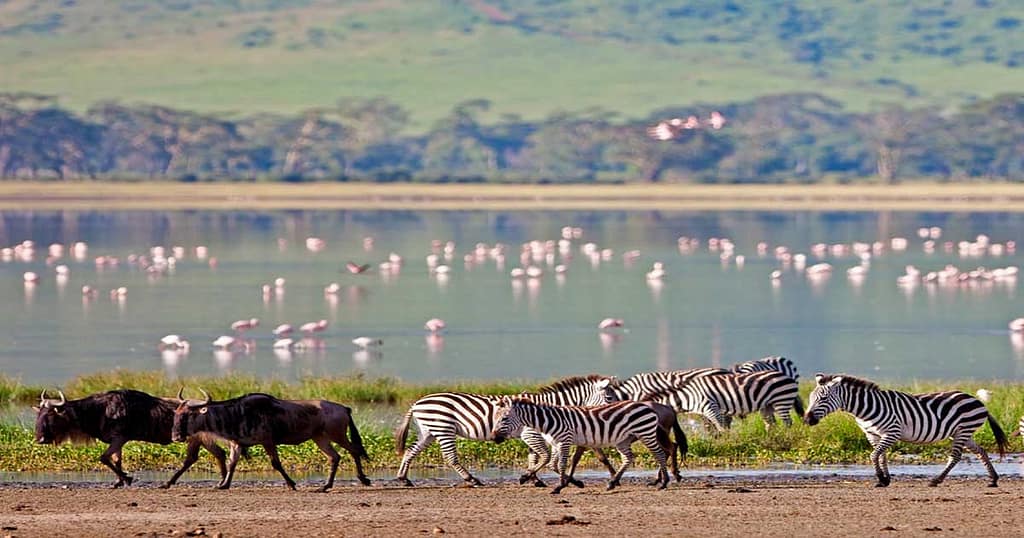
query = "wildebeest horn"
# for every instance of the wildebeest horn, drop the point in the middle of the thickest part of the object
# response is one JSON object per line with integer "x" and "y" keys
{"x": 42, "y": 397}
{"x": 181, "y": 392}
{"x": 207, "y": 396}
{"x": 63, "y": 400}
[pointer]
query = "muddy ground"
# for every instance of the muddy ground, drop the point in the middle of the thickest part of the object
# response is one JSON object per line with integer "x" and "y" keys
{"x": 809, "y": 507}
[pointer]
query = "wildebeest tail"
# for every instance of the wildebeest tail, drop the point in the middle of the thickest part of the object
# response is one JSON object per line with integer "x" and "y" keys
{"x": 357, "y": 440}
{"x": 1000, "y": 435}
{"x": 402, "y": 433}
{"x": 681, "y": 442}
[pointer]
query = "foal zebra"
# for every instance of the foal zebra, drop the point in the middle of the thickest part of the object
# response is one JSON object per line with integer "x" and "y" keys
{"x": 888, "y": 416}
{"x": 446, "y": 415}
{"x": 767, "y": 364}
{"x": 617, "y": 424}
{"x": 719, "y": 396}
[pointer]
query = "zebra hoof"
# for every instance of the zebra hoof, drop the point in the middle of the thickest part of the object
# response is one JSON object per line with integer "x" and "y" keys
{"x": 577, "y": 483}
{"x": 612, "y": 485}
{"x": 526, "y": 478}
{"x": 404, "y": 482}
{"x": 933, "y": 483}
{"x": 993, "y": 484}
{"x": 557, "y": 490}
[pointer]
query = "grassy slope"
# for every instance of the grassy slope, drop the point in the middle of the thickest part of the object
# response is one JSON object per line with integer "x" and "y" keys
{"x": 431, "y": 55}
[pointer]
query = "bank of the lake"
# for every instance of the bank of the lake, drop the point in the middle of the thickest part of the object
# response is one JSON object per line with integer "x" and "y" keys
{"x": 161, "y": 195}
{"x": 379, "y": 403}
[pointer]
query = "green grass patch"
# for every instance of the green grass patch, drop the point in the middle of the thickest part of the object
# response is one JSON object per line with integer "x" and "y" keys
{"x": 378, "y": 404}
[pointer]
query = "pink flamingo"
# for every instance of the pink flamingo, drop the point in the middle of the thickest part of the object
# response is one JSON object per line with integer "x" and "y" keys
{"x": 610, "y": 323}
{"x": 283, "y": 329}
{"x": 1017, "y": 325}
{"x": 434, "y": 325}
{"x": 313, "y": 327}
{"x": 243, "y": 325}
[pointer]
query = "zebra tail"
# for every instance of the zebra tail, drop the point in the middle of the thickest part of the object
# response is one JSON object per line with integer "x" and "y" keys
{"x": 402, "y": 433}
{"x": 357, "y": 440}
{"x": 681, "y": 442}
{"x": 1000, "y": 435}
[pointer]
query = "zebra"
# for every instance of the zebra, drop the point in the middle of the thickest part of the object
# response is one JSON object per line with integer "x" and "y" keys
{"x": 446, "y": 415}
{"x": 616, "y": 424}
{"x": 764, "y": 364}
{"x": 888, "y": 416}
{"x": 647, "y": 382}
{"x": 717, "y": 397}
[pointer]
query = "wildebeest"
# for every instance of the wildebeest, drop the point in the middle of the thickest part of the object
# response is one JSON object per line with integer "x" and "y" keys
{"x": 116, "y": 417}
{"x": 261, "y": 419}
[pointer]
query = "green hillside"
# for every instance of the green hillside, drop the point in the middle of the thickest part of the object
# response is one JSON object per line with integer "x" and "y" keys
{"x": 529, "y": 57}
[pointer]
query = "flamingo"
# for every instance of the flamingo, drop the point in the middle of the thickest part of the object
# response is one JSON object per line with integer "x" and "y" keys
{"x": 225, "y": 342}
{"x": 356, "y": 269}
{"x": 366, "y": 342}
{"x": 435, "y": 325}
{"x": 1017, "y": 325}
{"x": 609, "y": 323}
{"x": 173, "y": 342}
{"x": 243, "y": 325}
{"x": 283, "y": 330}
{"x": 313, "y": 327}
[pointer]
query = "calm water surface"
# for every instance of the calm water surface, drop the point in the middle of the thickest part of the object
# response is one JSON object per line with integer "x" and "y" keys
{"x": 703, "y": 312}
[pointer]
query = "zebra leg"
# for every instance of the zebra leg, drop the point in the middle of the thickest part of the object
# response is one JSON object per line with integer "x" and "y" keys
{"x": 992, "y": 474}
{"x": 878, "y": 457}
{"x": 954, "y": 458}
{"x": 627, "y": 460}
{"x": 537, "y": 460}
{"x": 451, "y": 457}
{"x": 575, "y": 461}
{"x": 403, "y": 470}
{"x": 603, "y": 458}
{"x": 563, "y": 462}
{"x": 768, "y": 414}
{"x": 658, "y": 451}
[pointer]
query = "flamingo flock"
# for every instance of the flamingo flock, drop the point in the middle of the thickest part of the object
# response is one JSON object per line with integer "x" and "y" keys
{"x": 535, "y": 261}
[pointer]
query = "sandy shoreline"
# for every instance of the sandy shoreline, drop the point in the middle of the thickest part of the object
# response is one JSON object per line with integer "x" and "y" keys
{"x": 821, "y": 508}
{"x": 240, "y": 196}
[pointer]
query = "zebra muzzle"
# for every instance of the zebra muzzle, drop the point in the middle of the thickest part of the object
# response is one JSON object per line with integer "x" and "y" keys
{"x": 810, "y": 419}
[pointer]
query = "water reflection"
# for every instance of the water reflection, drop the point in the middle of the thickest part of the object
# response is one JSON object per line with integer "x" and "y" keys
{"x": 715, "y": 299}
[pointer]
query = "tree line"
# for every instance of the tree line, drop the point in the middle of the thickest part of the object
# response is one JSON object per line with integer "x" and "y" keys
{"x": 801, "y": 137}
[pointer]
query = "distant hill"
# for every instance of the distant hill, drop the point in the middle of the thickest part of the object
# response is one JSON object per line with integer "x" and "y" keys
{"x": 528, "y": 57}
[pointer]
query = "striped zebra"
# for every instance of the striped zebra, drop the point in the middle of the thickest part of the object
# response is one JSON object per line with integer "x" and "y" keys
{"x": 617, "y": 424}
{"x": 444, "y": 416}
{"x": 718, "y": 397}
{"x": 766, "y": 364}
{"x": 888, "y": 416}
{"x": 643, "y": 383}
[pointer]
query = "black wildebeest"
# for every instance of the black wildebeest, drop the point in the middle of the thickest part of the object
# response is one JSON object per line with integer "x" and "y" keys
{"x": 116, "y": 417}
{"x": 261, "y": 419}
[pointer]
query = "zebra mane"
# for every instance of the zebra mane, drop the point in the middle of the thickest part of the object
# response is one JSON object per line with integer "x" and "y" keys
{"x": 855, "y": 382}
{"x": 574, "y": 381}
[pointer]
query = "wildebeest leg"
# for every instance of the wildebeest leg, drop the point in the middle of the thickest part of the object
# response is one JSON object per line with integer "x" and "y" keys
{"x": 191, "y": 456}
{"x": 350, "y": 447}
{"x": 275, "y": 461}
{"x": 236, "y": 452}
{"x": 326, "y": 448}
{"x": 112, "y": 459}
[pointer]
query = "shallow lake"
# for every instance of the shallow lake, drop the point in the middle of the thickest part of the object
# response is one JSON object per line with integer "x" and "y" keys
{"x": 704, "y": 311}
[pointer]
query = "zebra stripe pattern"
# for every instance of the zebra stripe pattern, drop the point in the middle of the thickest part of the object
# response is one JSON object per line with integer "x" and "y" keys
{"x": 633, "y": 388}
{"x": 767, "y": 364}
{"x": 445, "y": 416}
{"x": 888, "y": 416}
{"x": 616, "y": 424}
{"x": 718, "y": 397}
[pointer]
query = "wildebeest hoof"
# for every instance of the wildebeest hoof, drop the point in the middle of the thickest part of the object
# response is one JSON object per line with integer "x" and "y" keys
{"x": 322, "y": 489}
{"x": 364, "y": 481}
{"x": 557, "y": 490}
{"x": 291, "y": 486}
{"x": 224, "y": 486}
{"x": 165, "y": 486}
{"x": 993, "y": 484}
{"x": 679, "y": 477}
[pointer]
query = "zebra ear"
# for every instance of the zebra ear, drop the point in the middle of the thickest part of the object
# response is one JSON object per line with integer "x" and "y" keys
{"x": 821, "y": 379}
{"x": 603, "y": 383}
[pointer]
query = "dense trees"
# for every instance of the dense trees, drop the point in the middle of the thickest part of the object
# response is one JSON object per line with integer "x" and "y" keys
{"x": 784, "y": 138}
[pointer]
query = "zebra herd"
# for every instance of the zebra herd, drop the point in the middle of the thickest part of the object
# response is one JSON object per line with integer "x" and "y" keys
{"x": 597, "y": 411}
